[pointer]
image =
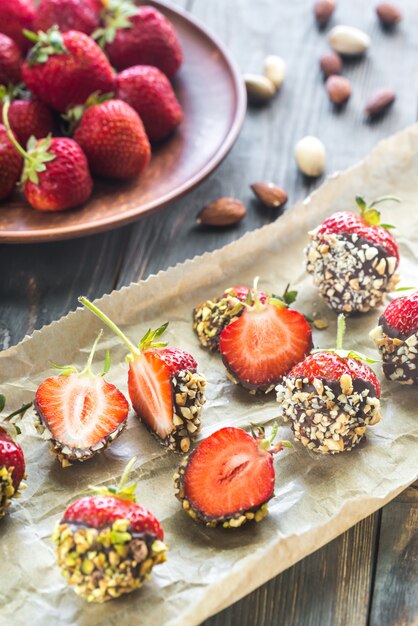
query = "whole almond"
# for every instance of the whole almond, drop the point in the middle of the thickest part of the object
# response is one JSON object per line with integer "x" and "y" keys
{"x": 379, "y": 102}
{"x": 330, "y": 64}
{"x": 310, "y": 156}
{"x": 339, "y": 89}
{"x": 348, "y": 40}
{"x": 259, "y": 88}
{"x": 274, "y": 69}
{"x": 222, "y": 212}
{"x": 269, "y": 194}
{"x": 388, "y": 14}
{"x": 323, "y": 9}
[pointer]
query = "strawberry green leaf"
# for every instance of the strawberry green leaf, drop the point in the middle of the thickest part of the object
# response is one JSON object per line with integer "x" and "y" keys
{"x": 106, "y": 366}
{"x": 2, "y": 402}
{"x": 387, "y": 226}
{"x": 46, "y": 44}
{"x": 361, "y": 203}
{"x": 372, "y": 217}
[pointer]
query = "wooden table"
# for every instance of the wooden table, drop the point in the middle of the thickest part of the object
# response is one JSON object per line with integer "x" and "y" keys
{"x": 366, "y": 575}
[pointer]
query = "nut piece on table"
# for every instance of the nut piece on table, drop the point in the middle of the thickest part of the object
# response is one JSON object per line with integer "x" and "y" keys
{"x": 269, "y": 194}
{"x": 274, "y": 69}
{"x": 310, "y": 156}
{"x": 330, "y": 64}
{"x": 348, "y": 40}
{"x": 259, "y": 88}
{"x": 388, "y": 14}
{"x": 379, "y": 102}
{"x": 222, "y": 212}
{"x": 323, "y": 9}
{"x": 339, "y": 89}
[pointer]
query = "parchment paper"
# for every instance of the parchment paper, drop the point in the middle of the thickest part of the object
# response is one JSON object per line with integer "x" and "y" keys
{"x": 316, "y": 498}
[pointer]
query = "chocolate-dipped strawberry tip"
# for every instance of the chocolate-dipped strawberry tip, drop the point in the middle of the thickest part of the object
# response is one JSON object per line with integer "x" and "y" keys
{"x": 353, "y": 258}
{"x": 330, "y": 398}
{"x": 107, "y": 544}
{"x": 166, "y": 390}
{"x": 79, "y": 412}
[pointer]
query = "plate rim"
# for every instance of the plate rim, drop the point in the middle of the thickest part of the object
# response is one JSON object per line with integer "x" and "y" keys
{"x": 112, "y": 222}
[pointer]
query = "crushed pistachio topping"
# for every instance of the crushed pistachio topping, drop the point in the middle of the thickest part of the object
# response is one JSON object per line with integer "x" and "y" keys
{"x": 211, "y": 317}
{"x": 106, "y": 563}
{"x": 7, "y": 491}
{"x": 399, "y": 356}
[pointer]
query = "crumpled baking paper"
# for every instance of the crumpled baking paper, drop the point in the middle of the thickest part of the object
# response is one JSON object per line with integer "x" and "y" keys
{"x": 316, "y": 497}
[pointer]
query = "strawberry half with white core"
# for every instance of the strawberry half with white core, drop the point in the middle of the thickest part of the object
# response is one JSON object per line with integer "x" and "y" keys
{"x": 212, "y": 316}
{"x": 79, "y": 412}
{"x": 396, "y": 336}
{"x": 228, "y": 478}
{"x": 107, "y": 544}
{"x": 353, "y": 259}
{"x": 164, "y": 386}
{"x": 264, "y": 343}
{"x": 330, "y": 398}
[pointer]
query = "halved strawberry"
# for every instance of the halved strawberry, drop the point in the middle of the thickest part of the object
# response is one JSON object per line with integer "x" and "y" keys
{"x": 165, "y": 388}
{"x": 264, "y": 343}
{"x": 228, "y": 478}
{"x": 80, "y": 412}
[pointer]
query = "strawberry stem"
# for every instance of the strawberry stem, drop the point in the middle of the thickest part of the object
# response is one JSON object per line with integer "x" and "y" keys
{"x": 120, "y": 490}
{"x": 340, "y": 331}
{"x": 94, "y": 309}
{"x": 87, "y": 369}
{"x": 125, "y": 475}
{"x": 9, "y": 131}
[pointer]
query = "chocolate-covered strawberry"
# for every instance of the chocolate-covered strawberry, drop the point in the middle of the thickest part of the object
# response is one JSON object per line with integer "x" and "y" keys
{"x": 264, "y": 343}
{"x": 330, "y": 398}
{"x": 353, "y": 259}
{"x": 228, "y": 478}
{"x": 165, "y": 388}
{"x": 107, "y": 544}
{"x": 212, "y": 316}
{"x": 396, "y": 336}
{"x": 80, "y": 412}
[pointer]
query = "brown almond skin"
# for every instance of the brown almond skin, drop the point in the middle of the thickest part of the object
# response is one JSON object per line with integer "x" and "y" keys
{"x": 339, "y": 89}
{"x": 379, "y": 102}
{"x": 269, "y": 194}
{"x": 323, "y": 9}
{"x": 330, "y": 64}
{"x": 222, "y": 212}
{"x": 388, "y": 14}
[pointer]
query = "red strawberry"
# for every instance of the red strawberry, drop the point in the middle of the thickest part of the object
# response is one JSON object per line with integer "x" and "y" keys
{"x": 262, "y": 345}
{"x": 16, "y": 15}
{"x": 81, "y": 15}
{"x": 113, "y": 138}
{"x": 212, "y": 316}
{"x": 396, "y": 336}
{"x": 165, "y": 389}
{"x": 82, "y": 412}
{"x": 27, "y": 116}
{"x": 353, "y": 259}
{"x": 228, "y": 479}
{"x": 10, "y": 61}
{"x": 114, "y": 542}
{"x": 330, "y": 398}
{"x": 139, "y": 36}
{"x": 55, "y": 174}
{"x": 11, "y": 165}
{"x": 150, "y": 93}
{"x": 63, "y": 69}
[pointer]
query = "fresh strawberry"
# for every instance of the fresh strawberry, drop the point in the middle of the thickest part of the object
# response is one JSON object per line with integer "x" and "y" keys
{"x": 27, "y": 116}
{"x": 396, "y": 336}
{"x": 81, "y": 412}
{"x": 142, "y": 35}
{"x": 228, "y": 479}
{"x": 113, "y": 138}
{"x": 63, "y": 69}
{"x": 353, "y": 259}
{"x": 150, "y": 93}
{"x": 11, "y": 61}
{"x": 81, "y": 15}
{"x": 164, "y": 386}
{"x": 264, "y": 343}
{"x": 114, "y": 542}
{"x": 212, "y": 316}
{"x": 16, "y": 15}
{"x": 55, "y": 173}
{"x": 11, "y": 165}
{"x": 330, "y": 398}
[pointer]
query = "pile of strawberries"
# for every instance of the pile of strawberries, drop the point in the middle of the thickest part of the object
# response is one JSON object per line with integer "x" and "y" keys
{"x": 84, "y": 90}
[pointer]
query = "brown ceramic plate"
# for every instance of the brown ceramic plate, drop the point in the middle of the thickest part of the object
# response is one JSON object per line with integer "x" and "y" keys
{"x": 211, "y": 92}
